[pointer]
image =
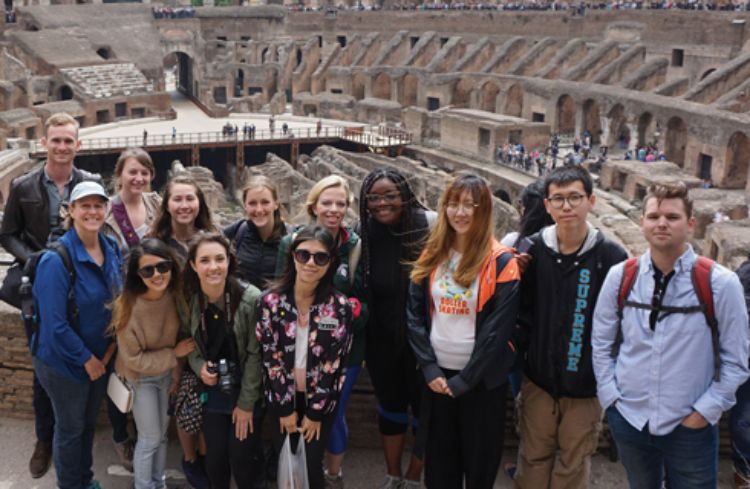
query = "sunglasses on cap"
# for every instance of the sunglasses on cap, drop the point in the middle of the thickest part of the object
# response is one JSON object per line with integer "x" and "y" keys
{"x": 320, "y": 258}
{"x": 162, "y": 267}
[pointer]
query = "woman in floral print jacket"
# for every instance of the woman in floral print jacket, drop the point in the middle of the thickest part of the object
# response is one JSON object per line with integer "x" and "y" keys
{"x": 305, "y": 335}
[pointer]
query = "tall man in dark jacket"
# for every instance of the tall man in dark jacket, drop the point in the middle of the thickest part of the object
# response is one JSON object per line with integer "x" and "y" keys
{"x": 559, "y": 408}
{"x": 34, "y": 212}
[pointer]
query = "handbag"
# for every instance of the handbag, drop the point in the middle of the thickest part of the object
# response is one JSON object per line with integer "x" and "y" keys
{"x": 292, "y": 472}
{"x": 121, "y": 393}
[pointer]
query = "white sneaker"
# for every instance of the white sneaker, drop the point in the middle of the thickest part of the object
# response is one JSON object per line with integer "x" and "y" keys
{"x": 391, "y": 482}
{"x": 333, "y": 481}
{"x": 408, "y": 484}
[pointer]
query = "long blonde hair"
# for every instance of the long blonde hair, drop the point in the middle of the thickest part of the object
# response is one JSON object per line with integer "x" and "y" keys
{"x": 442, "y": 237}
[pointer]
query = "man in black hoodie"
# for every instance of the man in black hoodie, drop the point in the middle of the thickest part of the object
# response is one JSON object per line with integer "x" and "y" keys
{"x": 559, "y": 408}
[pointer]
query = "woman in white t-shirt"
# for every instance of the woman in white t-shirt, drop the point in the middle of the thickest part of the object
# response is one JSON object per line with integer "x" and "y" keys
{"x": 462, "y": 309}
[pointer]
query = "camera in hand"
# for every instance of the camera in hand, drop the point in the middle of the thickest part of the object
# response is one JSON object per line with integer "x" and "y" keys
{"x": 225, "y": 370}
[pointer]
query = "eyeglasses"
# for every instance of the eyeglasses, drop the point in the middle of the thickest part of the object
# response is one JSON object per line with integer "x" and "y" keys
{"x": 558, "y": 201}
{"x": 468, "y": 207}
{"x": 387, "y": 198}
{"x": 320, "y": 258}
{"x": 162, "y": 267}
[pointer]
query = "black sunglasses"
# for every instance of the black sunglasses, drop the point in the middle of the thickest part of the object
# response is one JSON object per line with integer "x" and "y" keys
{"x": 162, "y": 267}
{"x": 321, "y": 258}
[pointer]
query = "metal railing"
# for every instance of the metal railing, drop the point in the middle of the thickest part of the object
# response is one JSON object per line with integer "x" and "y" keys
{"x": 376, "y": 136}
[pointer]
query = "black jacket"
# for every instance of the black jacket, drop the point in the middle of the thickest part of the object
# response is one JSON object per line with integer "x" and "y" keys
{"x": 493, "y": 354}
{"x": 25, "y": 226}
{"x": 558, "y": 299}
{"x": 256, "y": 259}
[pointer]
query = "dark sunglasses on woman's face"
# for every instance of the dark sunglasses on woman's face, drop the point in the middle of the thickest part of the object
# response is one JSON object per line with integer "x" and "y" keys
{"x": 162, "y": 267}
{"x": 321, "y": 258}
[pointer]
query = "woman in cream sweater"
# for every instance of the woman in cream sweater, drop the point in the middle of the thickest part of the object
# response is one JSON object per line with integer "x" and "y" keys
{"x": 146, "y": 323}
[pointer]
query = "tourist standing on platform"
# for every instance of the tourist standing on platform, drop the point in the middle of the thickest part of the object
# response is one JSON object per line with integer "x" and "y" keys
{"x": 305, "y": 330}
{"x": 462, "y": 307}
{"x": 227, "y": 359}
{"x": 33, "y": 215}
{"x": 256, "y": 238}
{"x": 73, "y": 348}
{"x": 327, "y": 204}
{"x": 183, "y": 213}
{"x": 134, "y": 207}
{"x": 560, "y": 417}
{"x": 666, "y": 367}
{"x": 394, "y": 226}
{"x": 145, "y": 322}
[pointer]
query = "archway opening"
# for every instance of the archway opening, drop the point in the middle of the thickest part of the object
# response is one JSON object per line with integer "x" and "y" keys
{"x": 178, "y": 73}
{"x": 566, "y": 115}
{"x": 591, "y": 121}
{"x": 358, "y": 86}
{"x": 619, "y": 133}
{"x": 675, "y": 141}
{"x": 514, "y": 101}
{"x": 239, "y": 83}
{"x": 411, "y": 86}
{"x": 381, "y": 87}
{"x": 646, "y": 132}
{"x": 488, "y": 100}
{"x": 462, "y": 92}
{"x": 736, "y": 161}
{"x": 65, "y": 93}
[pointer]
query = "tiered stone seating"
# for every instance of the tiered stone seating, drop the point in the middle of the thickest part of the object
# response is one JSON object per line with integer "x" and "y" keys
{"x": 110, "y": 80}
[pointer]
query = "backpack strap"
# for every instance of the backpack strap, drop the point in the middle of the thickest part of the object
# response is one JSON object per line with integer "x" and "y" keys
{"x": 239, "y": 236}
{"x": 701, "y": 275}
{"x": 629, "y": 274}
{"x": 73, "y": 313}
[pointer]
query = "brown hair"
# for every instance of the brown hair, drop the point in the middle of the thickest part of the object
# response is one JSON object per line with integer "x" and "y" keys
{"x": 60, "y": 119}
{"x": 674, "y": 190}
{"x": 441, "y": 238}
{"x": 140, "y": 156}
{"x": 162, "y": 225}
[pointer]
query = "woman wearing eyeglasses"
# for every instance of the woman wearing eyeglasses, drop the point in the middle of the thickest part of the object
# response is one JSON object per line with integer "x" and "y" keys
{"x": 305, "y": 333}
{"x": 461, "y": 314}
{"x": 146, "y": 323}
{"x": 327, "y": 204}
{"x": 394, "y": 227}
{"x": 222, "y": 322}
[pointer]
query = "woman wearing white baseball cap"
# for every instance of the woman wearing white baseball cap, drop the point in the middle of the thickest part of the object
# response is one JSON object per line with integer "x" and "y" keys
{"x": 74, "y": 349}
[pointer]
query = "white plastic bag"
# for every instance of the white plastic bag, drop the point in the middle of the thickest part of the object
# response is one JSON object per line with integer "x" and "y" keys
{"x": 292, "y": 466}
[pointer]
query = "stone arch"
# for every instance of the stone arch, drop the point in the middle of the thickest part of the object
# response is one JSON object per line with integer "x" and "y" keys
{"x": 591, "y": 120}
{"x": 264, "y": 56}
{"x": 65, "y": 93}
{"x": 675, "y": 141}
{"x": 645, "y": 129}
{"x": 514, "y": 101}
{"x": 566, "y": 115}
{"x": 358, "y": 86}
{"x": 462, "y": 92}
{"x": 239, "y": 82}
{"x": 618, "y": 127}
{"x": 410, "y": 88}
{"x": 736, "y": 161}
{"x": 488, "y": 96}
{"x": 183, "y": 71}
{"x": 381, "y": 86}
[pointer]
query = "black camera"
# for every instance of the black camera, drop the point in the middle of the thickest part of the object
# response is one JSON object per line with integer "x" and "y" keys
{"x": 225, "y": 370}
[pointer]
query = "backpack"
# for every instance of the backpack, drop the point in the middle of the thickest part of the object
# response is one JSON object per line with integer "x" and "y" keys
{"x": 30, "y": 317}
{"x": 701, "y": 277}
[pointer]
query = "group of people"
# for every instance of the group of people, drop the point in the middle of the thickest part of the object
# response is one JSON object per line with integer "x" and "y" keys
{"x": 224, "y": 328}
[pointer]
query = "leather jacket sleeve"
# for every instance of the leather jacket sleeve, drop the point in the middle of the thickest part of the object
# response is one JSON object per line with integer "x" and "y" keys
{"x": 418, "y": 327}
{"x": 14, "y": 233}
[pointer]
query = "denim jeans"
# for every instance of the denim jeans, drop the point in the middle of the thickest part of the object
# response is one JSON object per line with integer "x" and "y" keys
{"x": 739, "y": 429}
{"x": 689, "y": 456}
{"x": 76, "y": 405}
{"x": 150, "y": 403}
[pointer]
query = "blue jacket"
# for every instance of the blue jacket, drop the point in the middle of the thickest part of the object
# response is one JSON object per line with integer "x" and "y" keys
{"x": 60, "y": 346}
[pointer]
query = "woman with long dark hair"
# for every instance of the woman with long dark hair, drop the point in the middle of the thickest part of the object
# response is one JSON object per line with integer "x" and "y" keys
{"x": 73, "y": 347}
{"x": 146, "y": 322}
{"x": 394, "y": 225}
{"x": 226, "y": 358}
{"x": 462, "y": 308}
{"x": 305, "y": 330}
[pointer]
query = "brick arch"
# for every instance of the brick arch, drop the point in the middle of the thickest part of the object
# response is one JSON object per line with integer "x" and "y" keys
{"x": 514, "y": 101}
{"x": 381, "y": 86}
{"x": 358, "y": 86}
{"x": 462, "y": 92}
{"x": 736, "y": 161}
{"x": 591, "y": 119}
{"x": 646, "y": 130}
{"x": 410, "y": 90}
{"x": 618, "y": 126}
{"x": 566, "y": 115}
{"x": 675, "y": 141}
{"x": 488, "y": 96}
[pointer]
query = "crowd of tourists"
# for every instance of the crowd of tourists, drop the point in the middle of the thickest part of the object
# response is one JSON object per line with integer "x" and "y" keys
{"x": 173, "y": 12}
{"x": 223, "y": 328}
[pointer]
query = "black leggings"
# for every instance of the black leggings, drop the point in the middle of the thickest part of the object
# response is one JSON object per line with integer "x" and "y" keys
{"x": 314, "y": 450}
{"x": 228, "y": 457}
